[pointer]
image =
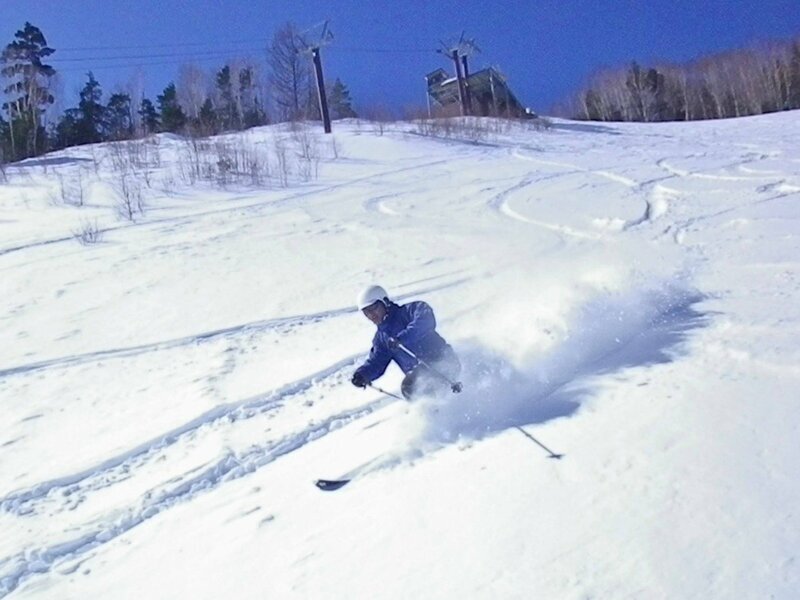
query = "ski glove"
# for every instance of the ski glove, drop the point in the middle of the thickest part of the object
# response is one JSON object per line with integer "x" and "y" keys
{"x": 359, "y": 380}
{"x": 393, "y": 342}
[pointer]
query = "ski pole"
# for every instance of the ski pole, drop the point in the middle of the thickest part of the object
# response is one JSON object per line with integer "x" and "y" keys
{"x": 382, "y": 391}
{"x": 454, "y": 385}
{"x": 534, "y": 440}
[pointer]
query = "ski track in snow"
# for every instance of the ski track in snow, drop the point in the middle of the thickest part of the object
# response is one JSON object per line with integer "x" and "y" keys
{"x": 656, "y": 196}
{"x": 24, "y": 502}
{"x": 559, "y": 229}
{"x": 575, "y": 169}
{"x": 500, "y": 204}
{"x": 31, "y": 561}
{"x": 377, "y": 204}
{"x": 248, "y": 206}
{"x": 714, "y": 176}
{"x": 256, "y": 326}
{"x": 654, "y": 204}
{"x": 227, "y": 332}
{"x": 681, "y": 227}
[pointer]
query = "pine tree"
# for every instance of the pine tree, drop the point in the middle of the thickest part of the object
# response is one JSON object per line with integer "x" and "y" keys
{"x": 173, "y": 118}
{"x": 66, "y": 131}
{"x": 341, "y": 106}
{"x": 207, "y": 119}
{"x": 255, "y": 115}
{"x": 5, "y": 139}
{"x": 252, "y": 113}
{"x": 228, "y": 111}
{"x": 90, "y": 122}
{"x": 85, "y": 124}
{"x": 27, "y": 91}
{"x": 149, "y": 117}
{"x": 119, "y": 120}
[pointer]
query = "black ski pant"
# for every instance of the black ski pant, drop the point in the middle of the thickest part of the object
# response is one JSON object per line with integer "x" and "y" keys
{"x": 421, "y": 381}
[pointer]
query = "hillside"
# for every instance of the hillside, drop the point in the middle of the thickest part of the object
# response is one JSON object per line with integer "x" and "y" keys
{"x": 627, "y": 294}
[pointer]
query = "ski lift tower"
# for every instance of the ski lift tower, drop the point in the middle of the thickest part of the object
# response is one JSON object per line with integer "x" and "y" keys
{"x": 458, "y": 51}
{"x": 310, "y": 42}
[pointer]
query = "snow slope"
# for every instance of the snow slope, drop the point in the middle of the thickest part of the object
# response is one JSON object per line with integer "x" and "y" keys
{"x": 627, "y": 294}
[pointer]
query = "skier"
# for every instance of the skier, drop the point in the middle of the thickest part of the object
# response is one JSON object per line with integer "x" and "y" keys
{"x": 404, "y": 327}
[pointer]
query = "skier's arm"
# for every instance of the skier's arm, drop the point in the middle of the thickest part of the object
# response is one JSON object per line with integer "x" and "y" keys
{"x": 376, "y": 363}
{"x": 421, "y": 324}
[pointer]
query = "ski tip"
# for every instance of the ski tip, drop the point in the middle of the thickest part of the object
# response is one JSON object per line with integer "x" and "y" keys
{"x": 329, "y": 485}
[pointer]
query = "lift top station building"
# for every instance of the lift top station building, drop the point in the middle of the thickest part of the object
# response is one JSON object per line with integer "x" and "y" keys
{"x": 487, "y": 94}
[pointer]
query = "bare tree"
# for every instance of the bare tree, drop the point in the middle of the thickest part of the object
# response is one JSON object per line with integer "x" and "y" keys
{"x": 3, "y": 175}
{"x": 130, "y": 197}
{"x": 749, "y": 81}
{"x": 70, "y": 192}
{"x": 282, "y": 161}
{"x": 774, "y": 75}
{"x": 380, "y": 116}
{"x": 290, "y": 73}
{"x": 681, "y": 95}
{"x": 793, "y": 79}
{"x": 88, "y": 233}
{"x": 193, "y": 88}
{"x": 135, "y": 89}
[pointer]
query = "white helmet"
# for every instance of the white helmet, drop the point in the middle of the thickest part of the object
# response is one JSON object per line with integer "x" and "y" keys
{"x": 370, "y": 295}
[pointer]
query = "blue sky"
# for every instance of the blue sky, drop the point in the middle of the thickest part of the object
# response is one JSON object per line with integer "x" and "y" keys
{"x": 382, "y": 49}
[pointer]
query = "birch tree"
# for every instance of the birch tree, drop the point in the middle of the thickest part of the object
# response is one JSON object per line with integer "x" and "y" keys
{"x": 27, "y": 90}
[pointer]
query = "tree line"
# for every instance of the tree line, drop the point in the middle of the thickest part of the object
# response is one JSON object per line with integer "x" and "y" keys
{"x": 238, "y": 96}
{"x": 739, "y": 83}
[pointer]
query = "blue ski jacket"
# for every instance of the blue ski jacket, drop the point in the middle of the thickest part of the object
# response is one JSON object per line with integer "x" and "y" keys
{"x": 414, "y": 326}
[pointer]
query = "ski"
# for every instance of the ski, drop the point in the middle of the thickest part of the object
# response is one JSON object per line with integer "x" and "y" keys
{"x": 383, "y": 461}
{"x": 330, "y": 485}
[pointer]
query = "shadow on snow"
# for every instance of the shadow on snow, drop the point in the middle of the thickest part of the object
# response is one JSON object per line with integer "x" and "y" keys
{"x": 585, "y": 128}
{"x": 52, "y": 161}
